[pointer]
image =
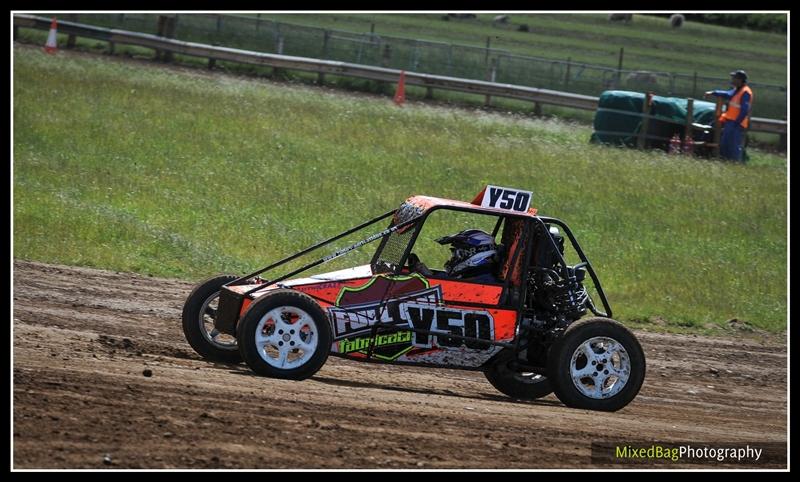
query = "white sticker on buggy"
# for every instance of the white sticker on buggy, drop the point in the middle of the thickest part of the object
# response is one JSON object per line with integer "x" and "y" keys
{"x": 507, "y": 198}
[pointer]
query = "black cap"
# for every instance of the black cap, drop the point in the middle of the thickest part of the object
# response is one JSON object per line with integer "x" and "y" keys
{"x": 739, "y": 74}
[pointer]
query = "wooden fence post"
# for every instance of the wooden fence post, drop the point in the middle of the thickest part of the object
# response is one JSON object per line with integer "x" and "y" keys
{"x": 717, "y": 126}
{"x": 689, "y": 121}
{"x": 566, "y": 77}
{"x": 277, "y": 72}
{"x": 71, "y": 37}
{"x": 160, "y": 32}
{"x": 386, "y": 57}
{"x": 212, "y": 62}
{"x": 450, "y": 59}
{"x": 782, "y": 139}
{"x": 641, "y": 140}
{"x": 170, "y": 24}
{"x": 325, "y": 39}
{"x": 491, "y": 76}
{"x": 619, "y": 67}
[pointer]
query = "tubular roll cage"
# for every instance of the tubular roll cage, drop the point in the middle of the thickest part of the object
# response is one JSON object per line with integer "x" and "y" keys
{"x": 230, "y": 302}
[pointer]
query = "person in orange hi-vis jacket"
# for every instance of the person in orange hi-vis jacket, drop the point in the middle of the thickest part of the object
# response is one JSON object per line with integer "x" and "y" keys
{"x": 736, "y": 118}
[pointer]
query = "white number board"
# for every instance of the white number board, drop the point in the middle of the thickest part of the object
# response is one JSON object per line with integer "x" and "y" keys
{"x": 506, "y": 198}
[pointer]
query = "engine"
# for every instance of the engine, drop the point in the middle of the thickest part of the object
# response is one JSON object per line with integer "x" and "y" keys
{"x": 555, "y": 292}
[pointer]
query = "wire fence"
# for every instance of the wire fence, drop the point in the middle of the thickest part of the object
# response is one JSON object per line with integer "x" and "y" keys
{"x": 438, "y": 58}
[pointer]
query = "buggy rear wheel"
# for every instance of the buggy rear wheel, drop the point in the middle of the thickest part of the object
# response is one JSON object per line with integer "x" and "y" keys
{"x": 284, "y": 334}
{"x": 597, "y": 364}
{"x": 514, "y": 383}
{"x": 199, "y": 312}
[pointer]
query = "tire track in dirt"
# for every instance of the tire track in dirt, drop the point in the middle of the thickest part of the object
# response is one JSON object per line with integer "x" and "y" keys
{"x": 83, "y": 339}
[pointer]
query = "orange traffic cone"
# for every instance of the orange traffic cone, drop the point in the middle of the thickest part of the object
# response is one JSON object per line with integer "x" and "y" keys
{"x": 51, "y": 46}
{"x": 400, "y": 94}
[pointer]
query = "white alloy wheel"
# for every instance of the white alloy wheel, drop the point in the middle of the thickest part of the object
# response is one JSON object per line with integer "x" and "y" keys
{"x": 286, "y": 337}
{"x": 600, "y": 367}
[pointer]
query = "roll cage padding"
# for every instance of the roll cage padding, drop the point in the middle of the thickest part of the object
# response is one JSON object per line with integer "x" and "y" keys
{"x": 511, "y": 237}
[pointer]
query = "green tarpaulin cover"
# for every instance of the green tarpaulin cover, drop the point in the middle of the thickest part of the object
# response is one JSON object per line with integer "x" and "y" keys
{"x": 618, "y": 118}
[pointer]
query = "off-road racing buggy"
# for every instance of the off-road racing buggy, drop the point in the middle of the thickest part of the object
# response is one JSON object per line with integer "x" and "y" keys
{"x": 526, "y": 330}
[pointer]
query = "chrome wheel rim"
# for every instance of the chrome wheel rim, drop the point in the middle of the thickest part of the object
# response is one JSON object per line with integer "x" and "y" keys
{"x": 286, "y": 337}
{"x": 600, "y": 367}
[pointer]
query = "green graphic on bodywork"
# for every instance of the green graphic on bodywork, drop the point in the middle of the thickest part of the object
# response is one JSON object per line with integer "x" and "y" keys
{"x": 350, "y": 289}
{"x": 393, "y": 357}
{"x": 363, "y": 344}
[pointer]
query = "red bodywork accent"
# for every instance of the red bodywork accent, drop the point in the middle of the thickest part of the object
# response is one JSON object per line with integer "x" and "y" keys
{"x": 457, "y": 294}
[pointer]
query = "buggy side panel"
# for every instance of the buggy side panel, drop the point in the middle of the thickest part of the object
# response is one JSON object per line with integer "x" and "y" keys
{"x": 415, "y": 315}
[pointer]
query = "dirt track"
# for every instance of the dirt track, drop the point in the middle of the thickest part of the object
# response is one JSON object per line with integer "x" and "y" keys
{"x": 83, "y": 339}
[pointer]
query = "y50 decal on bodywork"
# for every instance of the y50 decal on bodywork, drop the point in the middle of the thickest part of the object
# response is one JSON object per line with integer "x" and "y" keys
{"x": 408, "y": 301}
{"x": 471, "y": 323}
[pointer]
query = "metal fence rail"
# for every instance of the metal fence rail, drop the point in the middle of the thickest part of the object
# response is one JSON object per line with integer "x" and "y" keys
{"x": 346, "y": 69}
{"x": 453, "y": 60}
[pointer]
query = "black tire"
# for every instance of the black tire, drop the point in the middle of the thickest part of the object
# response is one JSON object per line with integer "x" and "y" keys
{"x": 195, "y": 319}
{"x": 513, "y": 383}
{"x": 606, "y": 395}
{"x": 318, "y": 335}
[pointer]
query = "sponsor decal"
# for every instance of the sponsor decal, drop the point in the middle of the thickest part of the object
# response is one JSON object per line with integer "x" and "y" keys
{"x": 387, "y": 347}
{"x": 398, "y": 301}
{"x": 358, "y": 319}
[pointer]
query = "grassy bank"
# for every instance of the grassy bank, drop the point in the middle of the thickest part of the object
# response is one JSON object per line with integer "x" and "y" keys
{"x": 127, "y": 166}
{"x": 649, "y": 42}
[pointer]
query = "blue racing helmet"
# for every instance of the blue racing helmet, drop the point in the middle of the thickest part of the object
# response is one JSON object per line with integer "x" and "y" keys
{"x": 474, "y": 252}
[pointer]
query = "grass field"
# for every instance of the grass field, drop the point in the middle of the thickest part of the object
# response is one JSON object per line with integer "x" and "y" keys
{"x": 650, "y": 45}
{"x": 649, "y": 42}
{"x": 38, "y": 37}
{"x": 177, "y": 172}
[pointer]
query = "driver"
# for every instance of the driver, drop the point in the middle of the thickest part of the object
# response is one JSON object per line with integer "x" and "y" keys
{"x": 475, "y": 257}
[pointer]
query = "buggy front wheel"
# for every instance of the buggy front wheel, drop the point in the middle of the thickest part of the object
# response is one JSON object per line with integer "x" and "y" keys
{"x": 284, "y": 334}
{"x": 597, "y": 364}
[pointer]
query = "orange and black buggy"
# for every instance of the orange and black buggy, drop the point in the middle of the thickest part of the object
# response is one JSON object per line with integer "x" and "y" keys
{"x": 523, "y": 324}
